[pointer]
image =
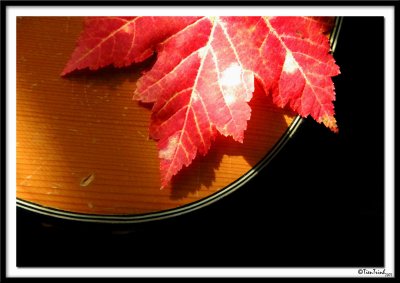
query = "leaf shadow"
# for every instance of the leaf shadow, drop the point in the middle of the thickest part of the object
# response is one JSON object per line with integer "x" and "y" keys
{"x": 110, "y": 77}
{"x": 264, "y": 129}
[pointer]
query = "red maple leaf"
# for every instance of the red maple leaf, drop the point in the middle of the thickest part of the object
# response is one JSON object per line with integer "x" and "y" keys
{"x": 205, "y": 70}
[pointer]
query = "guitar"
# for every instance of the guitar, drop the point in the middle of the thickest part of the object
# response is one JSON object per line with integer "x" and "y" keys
{"x": 83, "y": 151}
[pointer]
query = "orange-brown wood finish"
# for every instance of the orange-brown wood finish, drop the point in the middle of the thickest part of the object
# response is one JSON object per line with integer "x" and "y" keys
{"x": 82, "y": 142}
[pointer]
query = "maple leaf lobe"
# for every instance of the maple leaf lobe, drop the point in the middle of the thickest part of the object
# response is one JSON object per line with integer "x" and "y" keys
{"x": 198, "y": 90}
{"x": 121, "y": 41}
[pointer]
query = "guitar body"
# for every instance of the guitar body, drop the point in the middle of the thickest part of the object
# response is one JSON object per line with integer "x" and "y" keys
{"x": 83, "y": 150}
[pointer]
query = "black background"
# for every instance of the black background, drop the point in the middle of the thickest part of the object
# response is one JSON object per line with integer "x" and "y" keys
{"x": 319, "y": 203}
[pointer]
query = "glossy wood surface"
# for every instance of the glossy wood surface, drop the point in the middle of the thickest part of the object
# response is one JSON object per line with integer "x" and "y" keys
{"x": 82, "y": 142}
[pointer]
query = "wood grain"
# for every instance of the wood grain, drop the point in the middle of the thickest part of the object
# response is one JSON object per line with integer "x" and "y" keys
{"x": 82, "y": 142}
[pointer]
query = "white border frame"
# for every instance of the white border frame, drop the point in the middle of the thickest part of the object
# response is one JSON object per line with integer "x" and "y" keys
{"x": 13, "y": 11}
